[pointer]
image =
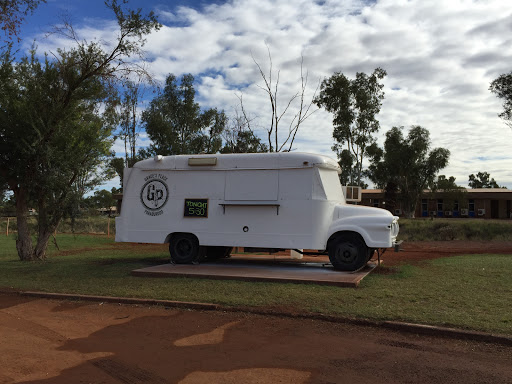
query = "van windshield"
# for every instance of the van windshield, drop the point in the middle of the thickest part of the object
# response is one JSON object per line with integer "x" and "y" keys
{"x": 331, "y": 185}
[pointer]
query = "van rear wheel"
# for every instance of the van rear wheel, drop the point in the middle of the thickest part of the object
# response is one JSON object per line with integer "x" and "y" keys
{"x": 348, "y": 252}
{"x": 184, "y": 248}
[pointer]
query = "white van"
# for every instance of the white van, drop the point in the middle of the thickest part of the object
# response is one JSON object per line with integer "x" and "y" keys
{"x": 203, "y": 205}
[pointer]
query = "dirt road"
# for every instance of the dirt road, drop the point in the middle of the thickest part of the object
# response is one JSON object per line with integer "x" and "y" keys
{"x": 47, "y": 341}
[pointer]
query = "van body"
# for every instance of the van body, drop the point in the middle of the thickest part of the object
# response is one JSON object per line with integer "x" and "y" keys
{"x": 270, "y": 200}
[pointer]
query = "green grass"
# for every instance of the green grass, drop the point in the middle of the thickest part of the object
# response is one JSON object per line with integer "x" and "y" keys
{"x": 470, "y": 292}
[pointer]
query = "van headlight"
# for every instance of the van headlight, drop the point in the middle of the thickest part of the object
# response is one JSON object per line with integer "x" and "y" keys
{"x": 395, "y": 228}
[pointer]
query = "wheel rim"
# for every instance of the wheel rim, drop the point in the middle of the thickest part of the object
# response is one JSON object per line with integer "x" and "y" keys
{"x": 183, "y": 247}
{"x": 346, "y": 253}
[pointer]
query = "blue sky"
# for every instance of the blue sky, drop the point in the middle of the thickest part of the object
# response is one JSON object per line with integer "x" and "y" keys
{"x": 440, "y": 57}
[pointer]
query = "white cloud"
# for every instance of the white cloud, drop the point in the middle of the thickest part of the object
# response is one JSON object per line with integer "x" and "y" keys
{"x": 440, "y": 57}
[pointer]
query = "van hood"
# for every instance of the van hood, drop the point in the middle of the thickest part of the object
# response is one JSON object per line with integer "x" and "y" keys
{"x": 366, "y": 217}
{"x": 350, "y": 210}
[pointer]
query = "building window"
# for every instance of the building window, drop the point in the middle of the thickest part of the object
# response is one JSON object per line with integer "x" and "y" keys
{"x": 456, "y": 205}
{"x": 440, "y": 204}
{"x": 424, "y": 205}
{"x": 376, "y": 203}
{"x": 471, "y": 205}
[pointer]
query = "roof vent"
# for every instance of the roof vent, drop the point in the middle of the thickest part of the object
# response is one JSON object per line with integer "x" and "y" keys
{"x": 197, "y": 161}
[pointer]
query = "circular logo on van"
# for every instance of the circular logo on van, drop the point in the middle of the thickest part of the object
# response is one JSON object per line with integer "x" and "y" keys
{"x": 154, "y": 194}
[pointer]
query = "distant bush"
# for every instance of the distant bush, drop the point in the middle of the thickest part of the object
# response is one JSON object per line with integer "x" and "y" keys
{"x": 455, "y": 229}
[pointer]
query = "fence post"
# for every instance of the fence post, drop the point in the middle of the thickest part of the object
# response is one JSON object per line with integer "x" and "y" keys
{"x": 7, "y": 229}
{"x": 108, "y": 227}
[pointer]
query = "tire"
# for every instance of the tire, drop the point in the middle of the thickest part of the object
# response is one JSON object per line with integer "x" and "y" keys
{"x": 348, "y": 252}
{"x": 184, "y": 248}
{"x": 214, "y": 253}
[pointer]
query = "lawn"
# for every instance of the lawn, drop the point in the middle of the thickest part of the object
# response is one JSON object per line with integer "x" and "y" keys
{"x": 469, "y": 292}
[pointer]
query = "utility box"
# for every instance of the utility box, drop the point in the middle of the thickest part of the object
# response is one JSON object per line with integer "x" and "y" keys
{"x": 203, "y": 205}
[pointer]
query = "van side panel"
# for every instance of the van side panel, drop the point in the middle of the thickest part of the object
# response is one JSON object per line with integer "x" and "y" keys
{"x": 285, "y": 208}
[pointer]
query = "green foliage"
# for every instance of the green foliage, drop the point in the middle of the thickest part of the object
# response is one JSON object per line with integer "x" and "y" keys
{"x": 117, "y": 165}
{"x": 176, "y": 125}
{"x": 12, "y": 14}
{"x": 481, "y": 180}
{"x": 53, "y": 135}
{"x": 100, "y": 199}
{"x": 502, "y": 87}
{"x": 406, "y": 165}
{"x": 354, "y": 104}
{"x": 451, "y": 193}
{"x": 239, "y": 138}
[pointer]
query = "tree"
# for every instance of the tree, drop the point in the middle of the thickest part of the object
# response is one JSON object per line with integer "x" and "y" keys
{"x": 454, "y": 196}
{"x": 129, "y": 121}
{"x": 481, "y": 180}
{"x": 101, "y": 199}
{"x": 52, "y": 132}
{"x": 176, "y": 124}
{"x": 12, "y": 14}
{"x": 406, "y": 165}
{"x": 117, "y": 165}
{"x": 128, "y": 130}
{"x": 444, "y": 184}
{"x": 502, "y": 87}
{"x": 276, "y": 141}
{"x": 354, "y": 104}
{"x": 239, "y": 138}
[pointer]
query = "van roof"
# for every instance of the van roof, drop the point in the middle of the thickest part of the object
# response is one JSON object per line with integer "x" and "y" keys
{"x": 281, "y": 160}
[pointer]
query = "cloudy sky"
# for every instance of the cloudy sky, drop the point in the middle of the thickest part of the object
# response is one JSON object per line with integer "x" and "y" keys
{"x": 440, "y": 57}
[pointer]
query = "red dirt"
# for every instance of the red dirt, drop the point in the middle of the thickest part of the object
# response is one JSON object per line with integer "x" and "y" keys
{"x": 420, "y": 251}
{"x": 50, "y": 341}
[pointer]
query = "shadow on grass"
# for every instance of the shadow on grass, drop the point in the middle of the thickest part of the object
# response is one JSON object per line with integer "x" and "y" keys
{"x": 132, "y": 260}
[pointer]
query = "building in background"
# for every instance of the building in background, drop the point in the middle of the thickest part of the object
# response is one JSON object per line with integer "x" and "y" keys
{"x": 486, "y": 203}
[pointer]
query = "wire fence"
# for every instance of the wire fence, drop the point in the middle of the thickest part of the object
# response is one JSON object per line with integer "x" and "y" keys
{"x": 88, "y": 225}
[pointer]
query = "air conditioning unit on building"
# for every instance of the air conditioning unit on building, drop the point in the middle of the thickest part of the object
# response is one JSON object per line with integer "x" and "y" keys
{"x": 448, "y": 213}
{"x": 481, "y": 212}
{"x": 464, "y": 212}
{"x": 352, "y": 193}
{"x": 398, "y": 211}
{"x": 433, "y": 213}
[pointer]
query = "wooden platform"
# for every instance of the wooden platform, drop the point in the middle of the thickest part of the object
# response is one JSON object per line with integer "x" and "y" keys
{"x": 267, "y": 269}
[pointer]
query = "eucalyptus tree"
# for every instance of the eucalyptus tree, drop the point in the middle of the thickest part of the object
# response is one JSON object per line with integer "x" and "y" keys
{"x": 176, "y": 124}
{"x": 56, "y": 119}
{"x": 502, "y": 87}
{"x": 13, "y": 13}
{"x": 482, "y": 180}
{"x": 354, "y": 104}
{"x": 406, "y": 165}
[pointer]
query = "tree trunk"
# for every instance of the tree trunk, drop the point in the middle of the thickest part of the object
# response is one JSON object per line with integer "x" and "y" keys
{"x": 42, "y": 244}
{"x": 24, "y": 240}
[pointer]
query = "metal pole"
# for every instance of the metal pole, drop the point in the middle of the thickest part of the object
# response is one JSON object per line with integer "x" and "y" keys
{"x": 7, "y": 229}
{"x": 108, "y": 228}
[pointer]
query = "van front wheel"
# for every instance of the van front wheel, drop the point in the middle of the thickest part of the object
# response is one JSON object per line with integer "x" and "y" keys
{"x": 348, "y": 252}
{"x": 184, "y": 248}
